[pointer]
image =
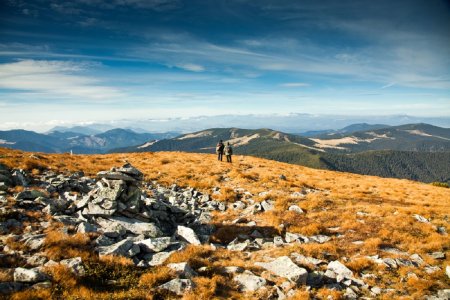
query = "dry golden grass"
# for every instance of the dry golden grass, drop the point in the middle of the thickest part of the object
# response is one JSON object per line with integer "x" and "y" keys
{"x": 388, "y": 206}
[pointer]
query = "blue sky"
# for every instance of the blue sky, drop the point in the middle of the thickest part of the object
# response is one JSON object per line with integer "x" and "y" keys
{"x": 91, "y": 60}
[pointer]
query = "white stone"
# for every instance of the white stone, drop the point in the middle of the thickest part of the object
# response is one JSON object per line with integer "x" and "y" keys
{"x": 284, "y": 267}
{"x": 248, "y": 282}
{"x": 188, "y": 234}
{"x": 178, "y": 286}
{"x": 28, "y": 275}
{"x": 340, "y": 269}
{"x": 296, "y": 208}
{"x": 183, "y": 269}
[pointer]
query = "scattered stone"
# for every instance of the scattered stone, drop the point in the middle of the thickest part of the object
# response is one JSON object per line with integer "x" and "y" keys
{"x": 235, "y": 245}
{"x": 437, "y": 255}
{"x": 320, "y": 238}
{"x": 120, "y": 248}
{"x": 296, "y": 208}
{"x": 159, "y": 258}
{"x": 340, "y": 270}
{"x": 421, "y": 218}
{"x": 447, "y": 271}
{"x": 28, "y": 275}
{"x": 183, "y": 270}
{"x": 282, "y": 177}
{"x": 29, "y": 195}
{"x": 178, "y": 286}
{"x": 284, "y": 267}
{"x": 249, "y": 282}
{"x": 267, "y": 205}
{"x": 188, "y": 234}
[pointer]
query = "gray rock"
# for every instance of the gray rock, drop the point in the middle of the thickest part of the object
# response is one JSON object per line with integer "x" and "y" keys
{"x": 447, "y": 271}
{"x": 130, "y": 170}
{"x": 11, "y": 287}
{"x": 431, "y": 269}
{"x": 284, "y": 267}
{"x": 115, "y": 176}
{"x": 417, "y": 259}
{"x": 376, "y": 290}
{"x": 75, "y": 265}
{"x": 235, "y": 245}
{"x": 85, "y": 227}
{"x": 159, "y": 258}
{"x": 133, "y": 251}
{"x": 232, "y": 270}
{"x": 154, "y": 244}
{"x": 188, "y": 235}
{"x": 20, "y": 178}
{"x": 278, "y": 241}
{"x": 296, "y": 208}
{"x": 437, "y": 255}
{"x": 28, "y": 275}
{"x": 29, "y": 195}
{"x": 182, "y": 269}
{"x": 421, "y": 218}
{"x": 248, "y": 282}
{"x": 121, "y": 248}
{"x": 350, "y": 294}
{"x": 132, "y": 225}
{"x": 341, "y": 270}
{"x": 301, "y": 259}
{"x": 320, "y": 238}
{"x": 178, "y": 286}
{"x": 291, "y": 237}
{"x": 267, "y": 205}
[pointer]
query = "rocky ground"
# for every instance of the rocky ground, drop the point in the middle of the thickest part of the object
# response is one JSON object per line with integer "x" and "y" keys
{"x": 119, "y": 214}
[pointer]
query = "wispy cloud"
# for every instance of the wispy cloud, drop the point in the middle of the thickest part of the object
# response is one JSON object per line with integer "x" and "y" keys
{"x": 54, "y": 78}
{"x": 191, "y": 67}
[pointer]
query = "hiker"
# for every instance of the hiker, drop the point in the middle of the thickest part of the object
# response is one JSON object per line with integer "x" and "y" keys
{"x": 228, "y": 152}
{"x": 219, "y": 150}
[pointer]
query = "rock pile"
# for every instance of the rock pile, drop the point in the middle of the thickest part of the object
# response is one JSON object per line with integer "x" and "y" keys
{"x": 147, "y": 223}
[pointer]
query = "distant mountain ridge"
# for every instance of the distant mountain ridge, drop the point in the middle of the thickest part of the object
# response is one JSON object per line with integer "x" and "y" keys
{"x": 413, "y": 151}
{"x": 77, "y": 142}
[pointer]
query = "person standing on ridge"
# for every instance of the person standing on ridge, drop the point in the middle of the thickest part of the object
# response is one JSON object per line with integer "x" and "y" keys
{"x": 219, "y": 150}
{"x": 228, "y": 152}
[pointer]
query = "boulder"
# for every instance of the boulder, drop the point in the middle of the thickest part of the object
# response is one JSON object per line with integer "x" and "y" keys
{"x": 28, "y": 275}
{"x": 121, "y": 248}
{"x": 248, "y": 282}
{"x": 178, "y": 286}
{"x": 340, "y": 270}
{"x": 284, "y": 267}
{"x": 188, "y": 235}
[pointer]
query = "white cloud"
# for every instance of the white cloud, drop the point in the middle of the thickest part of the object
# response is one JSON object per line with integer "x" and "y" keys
{"x": 191, "y": 67}
{"x": 54, "y": 78}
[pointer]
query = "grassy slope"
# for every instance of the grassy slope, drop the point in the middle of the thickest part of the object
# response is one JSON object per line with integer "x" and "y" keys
{"x": 389, "y": 203}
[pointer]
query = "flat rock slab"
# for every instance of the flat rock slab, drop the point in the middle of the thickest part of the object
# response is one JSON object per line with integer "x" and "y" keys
{"x": 115, "y": 176}
{"x": 284, "y": 267}
{"x": 121, "y": 248}
{"x": 132, "y": 225}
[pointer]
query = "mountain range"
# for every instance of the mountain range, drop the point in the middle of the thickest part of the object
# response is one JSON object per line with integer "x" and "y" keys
{"x": 80, "y": 140}
{"x": 414, "y": 151}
